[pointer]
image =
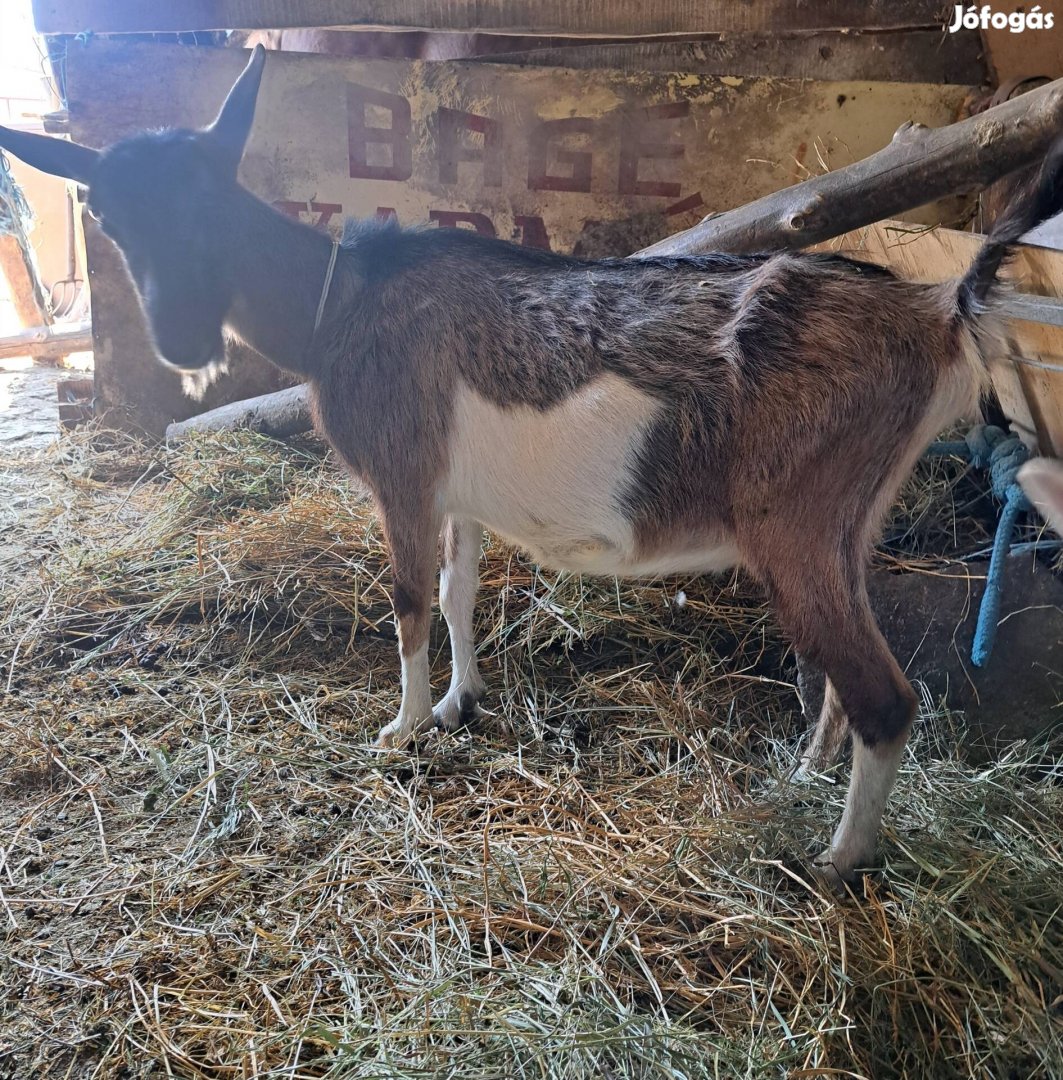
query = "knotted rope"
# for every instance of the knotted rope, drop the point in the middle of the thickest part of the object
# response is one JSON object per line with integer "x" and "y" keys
{"x": 1002, "y": 454}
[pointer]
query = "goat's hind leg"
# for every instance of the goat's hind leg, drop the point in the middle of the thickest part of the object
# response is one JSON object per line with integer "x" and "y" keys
{"x": 458, "y": 582}
{"x": 833, "y": 625}
{"x": 880, "y": 705}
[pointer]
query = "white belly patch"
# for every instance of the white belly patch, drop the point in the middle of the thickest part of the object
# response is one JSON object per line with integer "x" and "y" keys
{"x": 552, "y": 481}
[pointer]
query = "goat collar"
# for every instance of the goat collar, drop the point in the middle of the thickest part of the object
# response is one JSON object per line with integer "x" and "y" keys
{"x": 328, "y": 284}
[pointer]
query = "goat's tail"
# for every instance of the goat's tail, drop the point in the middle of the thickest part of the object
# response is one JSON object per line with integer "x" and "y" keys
{"x": 1033, "y": 203}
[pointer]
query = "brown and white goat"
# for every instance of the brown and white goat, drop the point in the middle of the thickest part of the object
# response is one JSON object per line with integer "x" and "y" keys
{"x": 621, "y": 417}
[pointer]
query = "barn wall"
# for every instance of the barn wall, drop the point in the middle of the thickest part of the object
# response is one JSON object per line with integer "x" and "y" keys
{"x": 47, "y": 195}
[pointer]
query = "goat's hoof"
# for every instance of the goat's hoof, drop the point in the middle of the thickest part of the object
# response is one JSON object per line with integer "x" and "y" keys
{"x": 394, "y": 736}
{"x": 839, "y": 880}
{"x": 457, "y": 711}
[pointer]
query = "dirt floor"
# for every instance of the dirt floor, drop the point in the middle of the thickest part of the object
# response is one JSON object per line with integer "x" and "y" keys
{"x": 28, "y": 417}
{"x": 207, "y": 871}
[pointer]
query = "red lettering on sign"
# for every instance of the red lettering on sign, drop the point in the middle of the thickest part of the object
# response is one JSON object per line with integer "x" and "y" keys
{"x": 454, "y": 149}
{"x": 639, "y": 140}
{"x": 324, "y": 211}
{"x": 532, "y": 231}
{"x": 457, "y": 219}
{"x": 365, "y": 141}
{"x": 691, "y": 202}
{"x": 542, "y": 140}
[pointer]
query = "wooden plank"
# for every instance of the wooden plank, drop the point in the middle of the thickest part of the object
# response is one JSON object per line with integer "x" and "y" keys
{"x": 596, "y": 161}
{"x": 47, "y": 342}
{"x": 279, "y": 415}
{"x": 671, "y": 146}
{"x": 1033, "y": 52}
{"x": 596, "y": 18}
{"x": 906, "y": 56}
{"x": 1028, "y": 381}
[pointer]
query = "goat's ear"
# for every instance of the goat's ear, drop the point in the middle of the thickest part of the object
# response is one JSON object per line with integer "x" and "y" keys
{"x": 228, "y": 134}
{"x": 1042, "y": 480}
{"x": 56, "y": 156}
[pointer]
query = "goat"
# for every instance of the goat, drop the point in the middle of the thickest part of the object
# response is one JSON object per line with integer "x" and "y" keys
{"x": 621, "y": 417}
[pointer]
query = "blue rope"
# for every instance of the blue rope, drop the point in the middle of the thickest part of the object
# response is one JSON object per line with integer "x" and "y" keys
{"x": 989, "y": 447}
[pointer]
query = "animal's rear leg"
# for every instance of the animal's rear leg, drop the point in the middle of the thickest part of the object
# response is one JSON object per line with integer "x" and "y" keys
{"x": 853, "y": 844}
{"x": 880, "y": 705}
{"x": 833, "y": 625}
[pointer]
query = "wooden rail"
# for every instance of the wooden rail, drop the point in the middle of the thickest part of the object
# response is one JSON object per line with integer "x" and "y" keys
{"x": 47, "y": 342}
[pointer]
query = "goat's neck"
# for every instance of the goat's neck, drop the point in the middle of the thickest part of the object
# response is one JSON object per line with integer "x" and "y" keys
{"x": 278, "y": 268}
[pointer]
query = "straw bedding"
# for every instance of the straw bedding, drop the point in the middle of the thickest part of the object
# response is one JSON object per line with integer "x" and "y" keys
{"x": 205, "y": 870}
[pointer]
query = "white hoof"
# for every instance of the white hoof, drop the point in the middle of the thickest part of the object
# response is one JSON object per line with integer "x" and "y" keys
{"x": 397, "y": 734}
{"x": 840, "y": 874}
{"x": 835, "y": 880}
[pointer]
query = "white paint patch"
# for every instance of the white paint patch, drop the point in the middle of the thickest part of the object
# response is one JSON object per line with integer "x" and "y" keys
{"x": 552, "y": 482}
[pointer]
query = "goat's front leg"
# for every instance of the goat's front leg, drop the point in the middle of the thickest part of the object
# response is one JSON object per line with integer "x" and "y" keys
{"x": 459, "y": 579}
{"x": 412, "y": 533}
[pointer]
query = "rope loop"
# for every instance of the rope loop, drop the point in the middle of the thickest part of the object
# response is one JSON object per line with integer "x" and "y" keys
{"x": 1002, "y": 455}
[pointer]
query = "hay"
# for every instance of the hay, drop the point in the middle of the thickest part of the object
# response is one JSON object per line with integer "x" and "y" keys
{"x": 206, "y": 872}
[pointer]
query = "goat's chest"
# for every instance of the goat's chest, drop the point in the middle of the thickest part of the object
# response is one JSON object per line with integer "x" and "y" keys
{"x": 552, "y": 480}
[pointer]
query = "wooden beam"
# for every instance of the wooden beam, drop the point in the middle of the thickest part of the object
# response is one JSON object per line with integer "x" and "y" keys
{"x": 47, "y": 342}
{"x": 908, "y": 56}
{"x": 920, "y": 165}
{"x": 280, "y": 415}
{"x": 594, "y": 18}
